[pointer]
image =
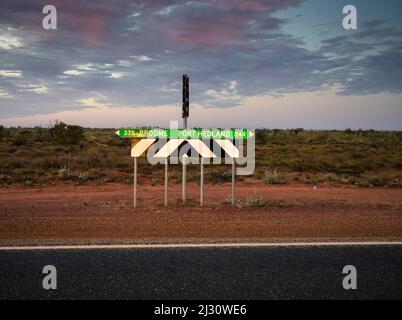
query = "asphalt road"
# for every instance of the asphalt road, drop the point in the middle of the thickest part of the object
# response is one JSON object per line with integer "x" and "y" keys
{"x": 204, "y": 273}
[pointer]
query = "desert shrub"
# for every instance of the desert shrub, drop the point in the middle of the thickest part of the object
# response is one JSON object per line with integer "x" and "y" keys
{"x": 114, "y": 141}
{"x": 272, "y": 176}
{"x": 371, "y": 181}
{"x": 154, "y": 182}
{"x": 20, "y": 175}
{"x": 28, "y": 183}
{"x": 92, "y": 159}
{"x": 20, "y": 138}
{"x": 220, "y": 177}
{"x": 362, "y": 158}
{"x": 47, "y": 162}
{"x": 275, "y": 131}
{"x": 62, "y": 133}
{"x": 18, "y": 163}
{"x": 3, "y": 132}
{"x": 22, "y": 171}
{"x": 64, "y": 173}
{"x": 349, "y": 167}
{"x": 254, "y": 201}
{"x": 237, "y": 202}
{"x": 83, "y": 177}
{"x": 41, "y": 134}
{"x": 296, "y": 131}
{"x": 261, "y": 137}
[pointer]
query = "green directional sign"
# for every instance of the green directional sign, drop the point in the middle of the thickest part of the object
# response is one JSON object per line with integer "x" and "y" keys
{"x": 185, "y": 133}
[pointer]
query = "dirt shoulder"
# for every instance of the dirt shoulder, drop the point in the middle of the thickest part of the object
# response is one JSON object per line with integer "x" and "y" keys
{"x": 99, "y": 214}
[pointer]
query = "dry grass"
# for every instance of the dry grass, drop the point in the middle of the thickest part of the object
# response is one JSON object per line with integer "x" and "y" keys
{"x": 366, "y": 159}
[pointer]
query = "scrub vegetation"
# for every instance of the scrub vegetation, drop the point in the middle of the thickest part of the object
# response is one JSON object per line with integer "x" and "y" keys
{"x": 74, "y": 155}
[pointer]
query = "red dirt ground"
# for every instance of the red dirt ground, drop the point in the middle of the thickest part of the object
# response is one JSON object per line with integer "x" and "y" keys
{"x": 89, "y": 214}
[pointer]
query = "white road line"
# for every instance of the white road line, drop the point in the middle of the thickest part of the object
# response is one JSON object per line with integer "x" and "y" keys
{"x": 204, "y": 245}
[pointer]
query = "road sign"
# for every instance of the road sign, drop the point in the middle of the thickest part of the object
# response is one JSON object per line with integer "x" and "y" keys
{"x": 173, "y": 144}
{"x": 185, "y": 133}
{"x": 138, "y": 148}
{"x": 168, "y": 148}
{"x": 201, "y": 148}
{"x": 228, "y": 147}
{"x": 194, "y": 137}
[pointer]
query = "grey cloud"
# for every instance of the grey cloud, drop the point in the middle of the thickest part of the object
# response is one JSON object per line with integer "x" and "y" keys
{"x": 214, "y": 42}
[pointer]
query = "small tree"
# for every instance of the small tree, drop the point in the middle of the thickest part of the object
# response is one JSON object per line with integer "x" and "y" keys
{"x": 3, "y": 132}
{"x": 41, "y": 134}
{"x": 261, "y": 136}
{"x": 66, "y": 134}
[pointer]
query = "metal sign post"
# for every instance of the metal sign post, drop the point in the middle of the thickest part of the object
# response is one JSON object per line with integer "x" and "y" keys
{"x": 233, "y": 181}
{"x": 183, "y": 186}
{"x": 135, "y": 183}
{"x": 185, "y": 114}
{"x": 166, "y": 182}
{"x": 202, "y": 183}
{"x": 136, "y": 150}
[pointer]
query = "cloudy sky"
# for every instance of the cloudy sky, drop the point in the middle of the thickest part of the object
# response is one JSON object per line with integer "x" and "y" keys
{"x": 263, "y": 63}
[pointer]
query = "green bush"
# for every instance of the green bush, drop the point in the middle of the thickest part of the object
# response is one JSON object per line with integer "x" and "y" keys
{"x": 62, "y": 133}
{"x": 3, "y": 132}
{"x": 255, "y": 201}
{"x": 220, "y": 177}
{"x": 82, "y": 178}
{"x": 41, "y": 134}
{"x": 296, "y": 131}
{"x": 28, "y": 183}
{"x": 361, "y": 158}
{"x": 64, "y": 173}
{"x": 261, "y": 137}
{"x": 20, "y": 139}
{"x": 371, "y": 181}
{"x": 272, "y": 176}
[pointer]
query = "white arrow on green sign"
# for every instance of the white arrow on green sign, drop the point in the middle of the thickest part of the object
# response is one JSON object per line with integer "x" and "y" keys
{"x": 185, "y": 133}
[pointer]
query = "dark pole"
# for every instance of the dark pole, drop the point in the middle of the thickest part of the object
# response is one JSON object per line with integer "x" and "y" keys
{"x": 185, "y": 114}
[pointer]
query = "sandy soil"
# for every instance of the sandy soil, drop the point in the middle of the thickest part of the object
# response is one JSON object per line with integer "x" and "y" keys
{"x": 89, "y": 214}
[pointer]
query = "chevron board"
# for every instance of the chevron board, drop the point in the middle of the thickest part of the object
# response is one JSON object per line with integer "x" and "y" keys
{"x": 204, "y": 151}
{"x": 138, "y": 148}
